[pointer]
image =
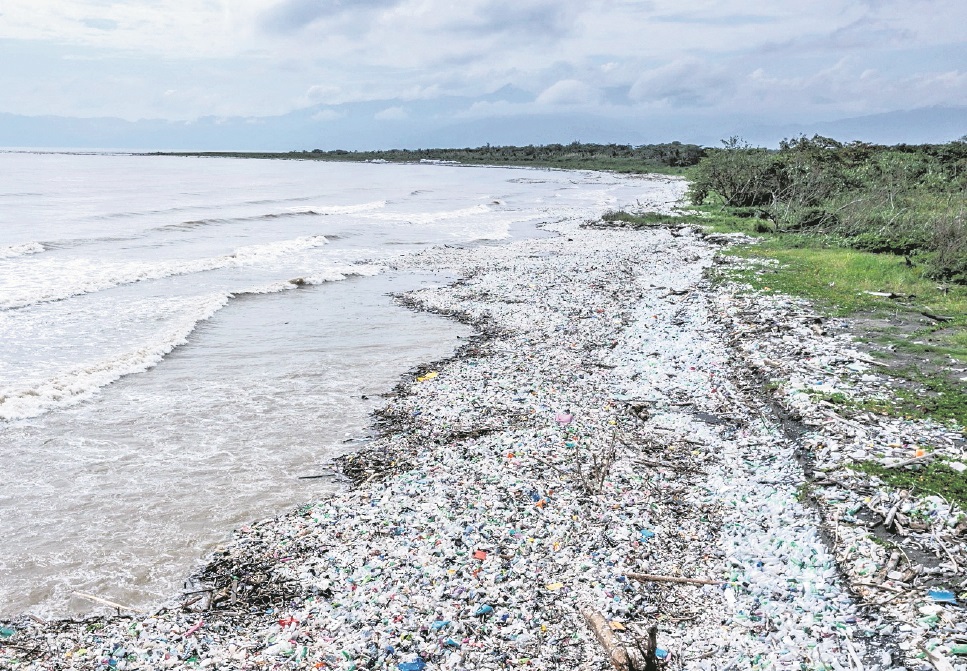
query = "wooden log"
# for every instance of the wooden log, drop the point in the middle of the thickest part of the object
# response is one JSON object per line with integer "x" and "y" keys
{"x": 622, "y": 658}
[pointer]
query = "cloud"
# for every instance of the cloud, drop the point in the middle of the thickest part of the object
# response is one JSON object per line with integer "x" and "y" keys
{"x": 100, "y": 24}
{"x": 413, "y": 59}
{"x": 539, "y": 20}
{"x": 568, "y": 92}
{"x": 327, "y": 115}
{"x": 293, "y": 15}
{"x": 318, "y": 93}
{"x": 721, "y": 20}
{"x": 391, "y": 114}
{"x": 688, "y": 82}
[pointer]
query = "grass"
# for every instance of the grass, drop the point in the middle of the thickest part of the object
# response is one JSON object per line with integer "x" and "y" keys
{"x": 943, "y": 400}
{"x": 935, "y": 478}
{"x": 839, "y": 278}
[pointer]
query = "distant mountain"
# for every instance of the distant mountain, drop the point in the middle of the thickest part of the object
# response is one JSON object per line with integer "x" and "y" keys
{"x": 443, "y": 122}
{"x": 919, "y": 126}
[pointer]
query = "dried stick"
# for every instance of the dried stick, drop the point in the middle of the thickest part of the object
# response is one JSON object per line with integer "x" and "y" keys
{"x": 97, "y": 599}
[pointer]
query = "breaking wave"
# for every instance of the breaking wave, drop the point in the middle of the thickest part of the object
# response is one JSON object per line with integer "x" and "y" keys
{"x": 300, "y": 211}
{"x": 13, "y": 251}
{"x": 55, "y": 279}
{"x": 80, "y": 383}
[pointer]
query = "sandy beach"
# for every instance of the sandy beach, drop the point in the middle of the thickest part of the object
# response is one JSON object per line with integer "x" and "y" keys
{"x": 605, "y": 456}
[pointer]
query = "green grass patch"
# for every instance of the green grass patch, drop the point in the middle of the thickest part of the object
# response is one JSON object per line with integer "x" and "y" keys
{"x": 934, "y": 478}
{"x": 836, "y": 398}
{"x": 839, "y": 277}
{"x": 940, "y": 399}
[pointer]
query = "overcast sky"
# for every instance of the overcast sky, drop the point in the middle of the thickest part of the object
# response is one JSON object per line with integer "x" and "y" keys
{"x": 621, "y": 59}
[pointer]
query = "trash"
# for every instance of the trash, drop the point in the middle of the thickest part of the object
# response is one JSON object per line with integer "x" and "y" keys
{"x": 195, "y": 628}
{"x": 942, "y": 596}
{"x": 469, "y": 503}
{"x": 564, "y": 418}
{"x": 7, "y": 632}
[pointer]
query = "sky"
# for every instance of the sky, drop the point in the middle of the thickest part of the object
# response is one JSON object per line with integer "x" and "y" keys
{"x": 619, "y": 64}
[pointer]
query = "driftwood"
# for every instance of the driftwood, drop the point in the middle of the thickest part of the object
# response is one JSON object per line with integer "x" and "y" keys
{"x": 922, "y": 459}
{"x": 648, "y": 577}
{"x": 97, "y": 599}
{"x": 938, "y": 318}
{"x": 939, "y": 663}
{"x": 891, "y": 515}
{"x": 622, "y": 658}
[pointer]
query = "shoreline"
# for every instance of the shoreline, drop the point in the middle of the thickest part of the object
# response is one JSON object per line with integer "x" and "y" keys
{"x": 606, "y": 426}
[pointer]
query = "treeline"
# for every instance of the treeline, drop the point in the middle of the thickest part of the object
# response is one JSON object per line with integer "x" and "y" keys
{"x": 903, "y": 199}
{"x": 617, "y": 157}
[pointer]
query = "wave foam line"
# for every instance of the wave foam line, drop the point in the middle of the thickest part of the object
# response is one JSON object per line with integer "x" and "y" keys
{"x": 300, "y": 211}
{"x": 339, "y": 209}
{"x": 81, "y": 383}
{"x": 57, "y": 280}
{"x": 13, "y": 251}
{"x": 430, "y": 217}
{"x": 334, "y": 274}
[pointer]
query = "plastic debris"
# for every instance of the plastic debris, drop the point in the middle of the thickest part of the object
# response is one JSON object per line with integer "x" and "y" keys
{"x": 704, "y": 483}
{"x": 942, "y": 596}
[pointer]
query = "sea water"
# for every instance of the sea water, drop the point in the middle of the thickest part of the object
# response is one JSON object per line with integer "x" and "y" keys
{"x": 183, "y": 340}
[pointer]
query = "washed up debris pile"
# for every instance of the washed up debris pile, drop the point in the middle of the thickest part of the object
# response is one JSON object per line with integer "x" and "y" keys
{"x": 903, "y": 551}
{"x": 600, "y": 464}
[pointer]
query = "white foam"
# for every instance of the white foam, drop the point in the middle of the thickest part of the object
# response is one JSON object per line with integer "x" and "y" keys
{"x": 80, "y": 383}
{"x": 430, "y": 217}
{"x": 56, "y": 279}
{"x": 340, "y": 209}
{"x": 332, "y": 274}
{"x": 13, "y": 251}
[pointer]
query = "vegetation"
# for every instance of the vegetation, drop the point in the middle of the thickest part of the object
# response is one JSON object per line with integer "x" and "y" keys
{"x": 935, "y": 478}
{"x": 877, "y": 233}
{"x": 670, "y": 157}
{"x": 908, "y": 200}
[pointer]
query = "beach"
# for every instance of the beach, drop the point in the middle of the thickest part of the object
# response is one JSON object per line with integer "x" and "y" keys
{"x": 603, "y": 456}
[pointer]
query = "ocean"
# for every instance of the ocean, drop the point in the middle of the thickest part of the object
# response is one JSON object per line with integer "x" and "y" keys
{"x": 182, "y": 340}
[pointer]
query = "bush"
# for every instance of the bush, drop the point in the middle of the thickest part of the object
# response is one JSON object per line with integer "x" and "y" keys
{"x": 904, "y": 199}
{"x": 740, "y": 175}
{"x": 947, "y": 256}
